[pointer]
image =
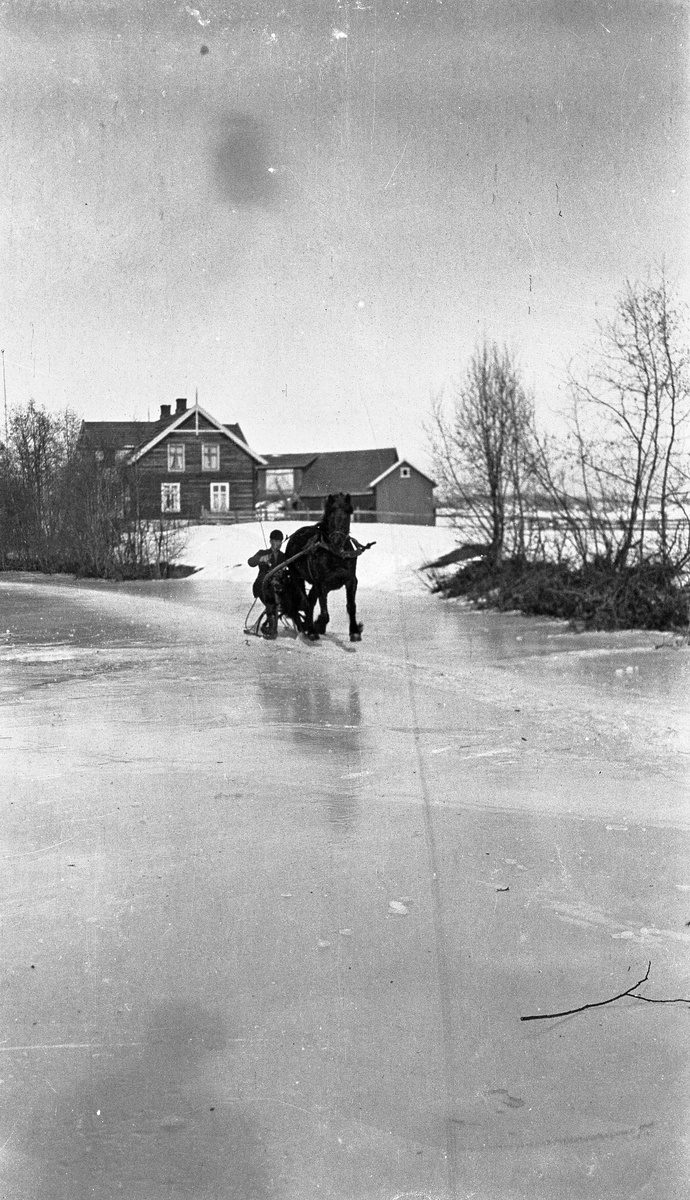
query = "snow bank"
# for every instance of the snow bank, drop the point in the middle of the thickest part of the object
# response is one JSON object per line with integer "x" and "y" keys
{"x": 221, "y": 551}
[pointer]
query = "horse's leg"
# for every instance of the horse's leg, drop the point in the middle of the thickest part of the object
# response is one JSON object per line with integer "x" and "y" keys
{"x": 309, "y": 602}
{"x": 299, "y": 606}
{"x": 351, "y": 593}
{"x": 323, "y": 617}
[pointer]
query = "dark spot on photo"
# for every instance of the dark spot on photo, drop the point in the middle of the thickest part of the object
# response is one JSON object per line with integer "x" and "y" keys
{"x": 242, "y": 164}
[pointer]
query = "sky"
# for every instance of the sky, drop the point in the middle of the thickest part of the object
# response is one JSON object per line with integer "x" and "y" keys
{"x": 310, "y": 211}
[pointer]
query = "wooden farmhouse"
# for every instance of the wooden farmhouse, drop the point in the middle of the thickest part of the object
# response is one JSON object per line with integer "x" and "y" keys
{"x": 186, "y": 465}
{"x": 383, "y": 486}
{"x": 189, "y": 466}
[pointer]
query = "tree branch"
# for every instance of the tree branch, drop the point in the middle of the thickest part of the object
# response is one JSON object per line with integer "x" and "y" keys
{"x": 600, "y": 1003}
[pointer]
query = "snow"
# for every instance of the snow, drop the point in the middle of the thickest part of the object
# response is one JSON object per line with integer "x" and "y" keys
{"x": 221, "y": 551}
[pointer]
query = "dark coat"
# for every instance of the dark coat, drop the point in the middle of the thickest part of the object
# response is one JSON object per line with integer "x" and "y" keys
{"x": 265, "y": 560}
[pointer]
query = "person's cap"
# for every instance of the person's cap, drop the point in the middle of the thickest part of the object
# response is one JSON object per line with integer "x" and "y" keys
{"x": 275, "y": 533}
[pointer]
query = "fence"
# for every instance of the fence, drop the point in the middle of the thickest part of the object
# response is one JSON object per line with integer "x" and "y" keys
{"x": 229, "y": 516}
{"x": 544, "y": 535}
{"x": 360, "y": 515}
{"x": 535, "y": 521}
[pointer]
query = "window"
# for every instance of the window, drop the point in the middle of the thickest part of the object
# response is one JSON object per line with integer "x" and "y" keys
{"x": 220, "y": 497}
{"x": 404, "y": 472}
{"x": 170, "y": 497}
{"x": 280, "y": 482}
{"x": 210, "y": 457}
{"x": 175, "y": 456}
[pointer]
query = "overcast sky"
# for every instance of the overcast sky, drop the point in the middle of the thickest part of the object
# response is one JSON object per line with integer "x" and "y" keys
{"x": 311, "y": 210}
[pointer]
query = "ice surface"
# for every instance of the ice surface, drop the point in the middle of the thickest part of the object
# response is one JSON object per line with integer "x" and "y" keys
{"x": 209, "y": 985}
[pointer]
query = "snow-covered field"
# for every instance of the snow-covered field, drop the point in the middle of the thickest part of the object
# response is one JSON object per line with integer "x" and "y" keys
{"x": 221, "y": 551}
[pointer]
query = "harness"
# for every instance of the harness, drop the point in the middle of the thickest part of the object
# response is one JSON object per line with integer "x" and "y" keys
{"x": 315, "y": 543}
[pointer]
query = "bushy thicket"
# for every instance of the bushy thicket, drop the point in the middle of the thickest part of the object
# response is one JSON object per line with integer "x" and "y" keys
{"x": 63, "y": 511}
{"x": 593, "y": 524}
{"x": 597, "y": 595}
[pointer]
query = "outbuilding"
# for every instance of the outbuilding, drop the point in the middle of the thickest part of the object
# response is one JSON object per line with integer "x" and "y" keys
{"x": 404, "y": 495}
{"x": 383, "y": 486}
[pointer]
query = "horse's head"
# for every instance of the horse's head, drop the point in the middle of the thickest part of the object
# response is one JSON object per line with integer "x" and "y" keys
{"x": 336, "y": 519}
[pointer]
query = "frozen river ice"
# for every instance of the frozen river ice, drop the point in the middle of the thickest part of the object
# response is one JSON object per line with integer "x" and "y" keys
{"x": 272, "y": 912}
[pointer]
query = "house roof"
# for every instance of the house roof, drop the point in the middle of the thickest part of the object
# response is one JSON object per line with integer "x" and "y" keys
{"x": 115, "y": 435}
{"x": 142, "y": 435}
{"x": 402, "y": 462}
{"x": 237, "y": 432}
{"x": 181, "y": 419}
{"x": 337, "y": 470}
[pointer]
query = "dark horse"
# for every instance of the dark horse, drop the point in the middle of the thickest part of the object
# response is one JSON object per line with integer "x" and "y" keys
{"x": 328, "y": 561}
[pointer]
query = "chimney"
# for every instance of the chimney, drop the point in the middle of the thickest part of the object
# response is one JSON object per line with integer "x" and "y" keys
{"x": 180, "y": 404}
{"x": 165, "y": 412}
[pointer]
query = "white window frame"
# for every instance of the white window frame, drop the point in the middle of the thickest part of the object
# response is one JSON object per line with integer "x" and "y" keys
{"x": 170, "y": 497}
{"x": 405, "y": 472}
{"x": 220, "y": 489}
{"x": 280, "y": 481}
{"x": 173, "y": 450}
{"x": 212, "y": 450}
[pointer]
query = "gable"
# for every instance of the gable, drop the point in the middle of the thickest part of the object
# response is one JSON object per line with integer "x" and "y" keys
{"x": 394, "y": 467}
{"x": 137, "y": 437}
{"x": 204, "y": 424}
{"x": 188, "y": 422}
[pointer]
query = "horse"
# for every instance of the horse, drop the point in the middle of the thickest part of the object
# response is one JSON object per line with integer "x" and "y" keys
{"x": 328, "y": 561}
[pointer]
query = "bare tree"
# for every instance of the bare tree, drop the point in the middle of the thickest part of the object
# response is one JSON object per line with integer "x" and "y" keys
{"x": 627, "y": 422}
{"x": 108, "y": 536}
{"x": 61, "y": 509}
{"x": 34, "y": 471}
{"x": 482, "y": 448}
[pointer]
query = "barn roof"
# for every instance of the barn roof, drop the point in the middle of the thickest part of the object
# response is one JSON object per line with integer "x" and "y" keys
{"x": 278, "y": 462}
{"x": 337, "y": 470}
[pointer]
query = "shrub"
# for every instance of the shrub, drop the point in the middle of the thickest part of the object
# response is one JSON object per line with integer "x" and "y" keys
{"x": 650, "y": 595}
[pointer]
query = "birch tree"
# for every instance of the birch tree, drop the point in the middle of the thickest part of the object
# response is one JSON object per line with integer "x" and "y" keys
{"x": 481, "y": 443}
{"x": 628, "y": 424}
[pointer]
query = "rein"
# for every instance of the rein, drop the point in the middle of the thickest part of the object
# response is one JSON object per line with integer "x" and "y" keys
{"x": 311, "y": 545}
{"x": 359, "y": 548}
{"x": 317, "y": 543}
